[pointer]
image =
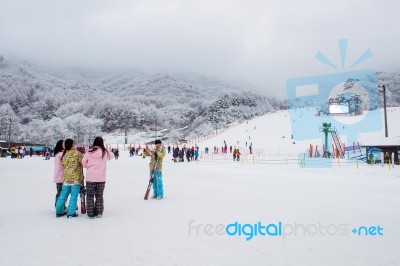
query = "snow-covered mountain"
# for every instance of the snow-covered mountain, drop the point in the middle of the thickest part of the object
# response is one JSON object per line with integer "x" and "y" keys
{"x": 46, "y": 105}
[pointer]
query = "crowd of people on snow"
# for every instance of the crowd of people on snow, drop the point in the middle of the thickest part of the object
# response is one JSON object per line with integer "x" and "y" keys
{"x": 179, "y": 154}
{"x": 193, "y": 153}
{"x": 19, "y": 152}
{"x": 133, "y": 151}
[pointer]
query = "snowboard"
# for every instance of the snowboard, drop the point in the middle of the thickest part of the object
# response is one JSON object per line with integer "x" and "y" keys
{"x": 146, "y": 196}
{"x": 83, "y": 199}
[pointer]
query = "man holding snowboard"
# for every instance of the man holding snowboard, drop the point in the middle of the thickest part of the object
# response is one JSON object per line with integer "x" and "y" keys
{"x": 155, "y": 165}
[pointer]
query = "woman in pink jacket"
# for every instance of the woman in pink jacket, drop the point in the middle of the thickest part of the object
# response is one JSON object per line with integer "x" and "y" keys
{"x": 95, "y": 161}
{"x": 58, "y": 167}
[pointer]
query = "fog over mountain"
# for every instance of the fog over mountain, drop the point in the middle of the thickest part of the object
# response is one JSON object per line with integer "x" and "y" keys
{"x": 262, "y": 43}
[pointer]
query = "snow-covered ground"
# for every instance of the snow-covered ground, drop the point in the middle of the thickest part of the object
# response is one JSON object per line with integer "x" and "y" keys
{"x": 322, "y": 205}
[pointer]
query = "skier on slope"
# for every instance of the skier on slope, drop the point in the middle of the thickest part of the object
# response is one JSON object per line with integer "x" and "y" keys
{"x": 238, "y": 154}
{"x": 156, "y": 154}
{"x": 187, "y": 154}
{"x": 47, "y": 154}
{"x": 234, "y": 153}
{"x": 175, "y": 153}
{"x": 116, "y": 154}
{"x": 192, "y": 153}
{"x": 181, "y": 155}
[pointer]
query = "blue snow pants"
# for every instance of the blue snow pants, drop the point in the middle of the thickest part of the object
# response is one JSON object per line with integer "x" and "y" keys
{"x": 66, "y": 189}
{"x": 158, "y": 189}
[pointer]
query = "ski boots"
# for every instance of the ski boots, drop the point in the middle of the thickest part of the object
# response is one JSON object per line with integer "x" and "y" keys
{"x": 72, "y": 215}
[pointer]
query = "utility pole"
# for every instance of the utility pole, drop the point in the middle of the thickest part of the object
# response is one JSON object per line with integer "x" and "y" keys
{"x": 125, "y": 119}
{"x": 90, "y": 134}
{"x": 155, "y": 129}
{"x": 384, "y": 108}
{"x": 126, "y": 135}
{"x": 3, "y": 130}
{"x": 9, "y": 135}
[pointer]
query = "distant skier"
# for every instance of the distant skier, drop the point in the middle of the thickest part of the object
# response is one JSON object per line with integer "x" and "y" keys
{"x": 196, "y": 153}
{"x": 137, "y": 150}
{"x": 181, "y": 155}
{"x": 175, "y": 153}
{"x": 234, "y": 153}
{"x": 47, "y": 154}
{"x": 188, "y": 155}
{"x": 192, "y": 153}
{"x": 21, "y": 153}
{"x": 116, "y": 154}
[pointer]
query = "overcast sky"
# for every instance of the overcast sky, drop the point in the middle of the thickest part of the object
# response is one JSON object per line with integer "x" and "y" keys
{"x": 259, "y": 42}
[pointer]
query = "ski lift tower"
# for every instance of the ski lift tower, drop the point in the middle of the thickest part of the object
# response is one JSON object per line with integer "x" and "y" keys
{"x": 326, "y": 128}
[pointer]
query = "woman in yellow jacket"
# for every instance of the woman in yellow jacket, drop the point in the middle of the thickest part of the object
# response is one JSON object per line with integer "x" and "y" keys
{"x": 72, "y": 179}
